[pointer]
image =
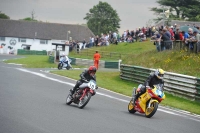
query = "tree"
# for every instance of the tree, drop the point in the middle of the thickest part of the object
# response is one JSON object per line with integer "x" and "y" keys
{"x": 102, "y": 18}
{"x": 29, "y": 19}
{"x": 4, "y": 16}
{"x": 180, "y": 9}
{"x": 32, "y": 18}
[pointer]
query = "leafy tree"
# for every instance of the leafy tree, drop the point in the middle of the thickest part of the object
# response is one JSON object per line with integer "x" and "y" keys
{"x": 4, "y": 16}
{"x": 180, "y": 9}
{"x": 102, "y": 18}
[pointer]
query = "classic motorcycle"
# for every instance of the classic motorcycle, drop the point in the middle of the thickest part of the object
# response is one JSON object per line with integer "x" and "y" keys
{"x": 83, "y": 94}
{"x": 148, "y": 102}
{"x": 62, "y": 64}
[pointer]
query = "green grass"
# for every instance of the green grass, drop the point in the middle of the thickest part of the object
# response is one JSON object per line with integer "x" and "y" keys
{"x": 33, "y": 61}
{"x": 140, "y": 54}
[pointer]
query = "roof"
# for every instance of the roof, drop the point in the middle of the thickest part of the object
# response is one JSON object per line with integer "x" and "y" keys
{"x": 43, "y": 30}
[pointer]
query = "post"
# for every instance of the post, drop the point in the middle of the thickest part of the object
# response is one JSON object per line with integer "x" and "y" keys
{"x": 119, "y": 64}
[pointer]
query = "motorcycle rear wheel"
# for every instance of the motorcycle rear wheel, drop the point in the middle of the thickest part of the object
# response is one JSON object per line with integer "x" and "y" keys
{"x": 152, "y": 110}
{"x": 68, "y": 100}
{"x": 85, "y": 100}
{"x": 131, "y": 107}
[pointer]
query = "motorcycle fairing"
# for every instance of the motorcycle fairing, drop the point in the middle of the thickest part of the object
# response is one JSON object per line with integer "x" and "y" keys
{"x": 84, "y": 85}
{"x": 142, "y": 100}
{"x": 153, "y": 94}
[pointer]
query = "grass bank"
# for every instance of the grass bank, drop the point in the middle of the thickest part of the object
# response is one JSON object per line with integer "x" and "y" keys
{"x": 144, "y": 54}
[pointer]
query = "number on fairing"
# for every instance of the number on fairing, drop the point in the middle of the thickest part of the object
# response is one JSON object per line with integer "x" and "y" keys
{"x": 92, "y": 85}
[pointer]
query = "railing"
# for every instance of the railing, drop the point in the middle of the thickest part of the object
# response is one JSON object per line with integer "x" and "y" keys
{"x": 180, "y": 45}
{"x": 104, "y": 54}
{"x": 177, "y": 84}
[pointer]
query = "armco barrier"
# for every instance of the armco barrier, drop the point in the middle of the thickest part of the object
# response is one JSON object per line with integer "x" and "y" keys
{"x": 102, "y": 64}
{"x": 177, "y": 84}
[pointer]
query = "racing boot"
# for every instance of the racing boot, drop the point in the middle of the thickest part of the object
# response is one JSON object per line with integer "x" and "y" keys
{"x": 135, "y": 97}
{"x": 71, "y": 92}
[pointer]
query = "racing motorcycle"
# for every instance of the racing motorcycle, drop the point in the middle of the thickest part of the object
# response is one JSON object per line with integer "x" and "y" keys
{"x": 148, "y": 102}
{"x": 83, "y": 94}
{"x": 63, "y": 64}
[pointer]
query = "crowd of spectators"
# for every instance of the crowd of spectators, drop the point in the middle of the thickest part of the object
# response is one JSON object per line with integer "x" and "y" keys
{"x": 162, "y": 37}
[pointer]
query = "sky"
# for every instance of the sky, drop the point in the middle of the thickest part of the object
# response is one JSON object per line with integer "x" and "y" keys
{"x": 133, "y": 13}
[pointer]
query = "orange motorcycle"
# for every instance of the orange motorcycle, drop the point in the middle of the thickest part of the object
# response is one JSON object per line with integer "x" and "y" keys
{"x": 148, "y": 102}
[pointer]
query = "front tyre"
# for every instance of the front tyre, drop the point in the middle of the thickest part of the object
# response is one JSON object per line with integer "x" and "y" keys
{"x": 68, "y": 67}
{"x": 151, "y": 110}
{"x": 131, "y": 107}
{"x": 68, "y": 100}
{"x": 85, "y": 100}
{"x": 59, "y": 66}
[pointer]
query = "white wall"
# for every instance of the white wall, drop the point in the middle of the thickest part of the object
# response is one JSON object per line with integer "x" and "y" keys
{"x": 35, "y": 45}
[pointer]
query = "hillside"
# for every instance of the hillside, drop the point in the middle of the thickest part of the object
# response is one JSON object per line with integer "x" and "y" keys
{"x": 144, "y": 54}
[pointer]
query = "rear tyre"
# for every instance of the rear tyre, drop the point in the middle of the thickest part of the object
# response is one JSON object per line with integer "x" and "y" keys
{"x": 131, "y": 107}
{"x": 85, "y": 100}
{"x": 68, "y": 100}
{"x": 152, "y": 110}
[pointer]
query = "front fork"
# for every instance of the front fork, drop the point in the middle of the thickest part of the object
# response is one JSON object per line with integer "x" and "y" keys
{"x": 84, "y": 93}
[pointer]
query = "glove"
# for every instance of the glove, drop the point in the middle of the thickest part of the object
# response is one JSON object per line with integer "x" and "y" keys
{"x": 148, "y": 87}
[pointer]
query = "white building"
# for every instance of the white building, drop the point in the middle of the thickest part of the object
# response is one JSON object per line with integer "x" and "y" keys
{"x": 18, "y": 34}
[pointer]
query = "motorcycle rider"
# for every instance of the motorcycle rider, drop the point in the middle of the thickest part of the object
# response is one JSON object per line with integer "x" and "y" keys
{"x": 65, "y": 58}
{"x": 154, "y": 78}
{"x": 85, "y": 76}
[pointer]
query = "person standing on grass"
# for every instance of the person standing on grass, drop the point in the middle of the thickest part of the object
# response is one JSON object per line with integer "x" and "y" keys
{"x": 96, "y": 57}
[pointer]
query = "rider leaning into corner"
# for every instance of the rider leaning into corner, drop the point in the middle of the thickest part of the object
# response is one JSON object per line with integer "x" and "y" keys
{"x": 86, "y": 75}
{"x": 65, "y": 58}
{"x": 154, "y": 78}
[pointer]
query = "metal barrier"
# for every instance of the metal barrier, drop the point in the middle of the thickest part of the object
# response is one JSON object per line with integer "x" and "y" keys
{"x": 104, "y": 54}
{"x": 177, "y": 84}
{"x": 177, "y": 45}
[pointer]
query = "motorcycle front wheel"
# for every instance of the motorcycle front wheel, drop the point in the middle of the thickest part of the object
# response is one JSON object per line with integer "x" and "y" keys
{"x": 68, "y": 67}
{"x": 68, "y": 100}
{"x": 85, "y": 100}
{"x": 151, "y": 110}
{"x": 131, "y": 107}
{"x": 59, "y": 66}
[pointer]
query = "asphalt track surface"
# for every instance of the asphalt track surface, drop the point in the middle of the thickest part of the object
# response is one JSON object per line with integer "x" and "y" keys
{"x": 33, "y": 101}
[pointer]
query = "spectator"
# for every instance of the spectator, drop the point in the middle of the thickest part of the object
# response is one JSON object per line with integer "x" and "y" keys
{"x": 157, "y": 39}
{"x": 96, "y": 40}
{"x": 84, "y": 43}
{"x": 198, "y": 41}
{"x": 166, "y": 41}
{"x": 190, "y": 40}
{"x": 142, "y": 36}
{"x": 185, "y": 36}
